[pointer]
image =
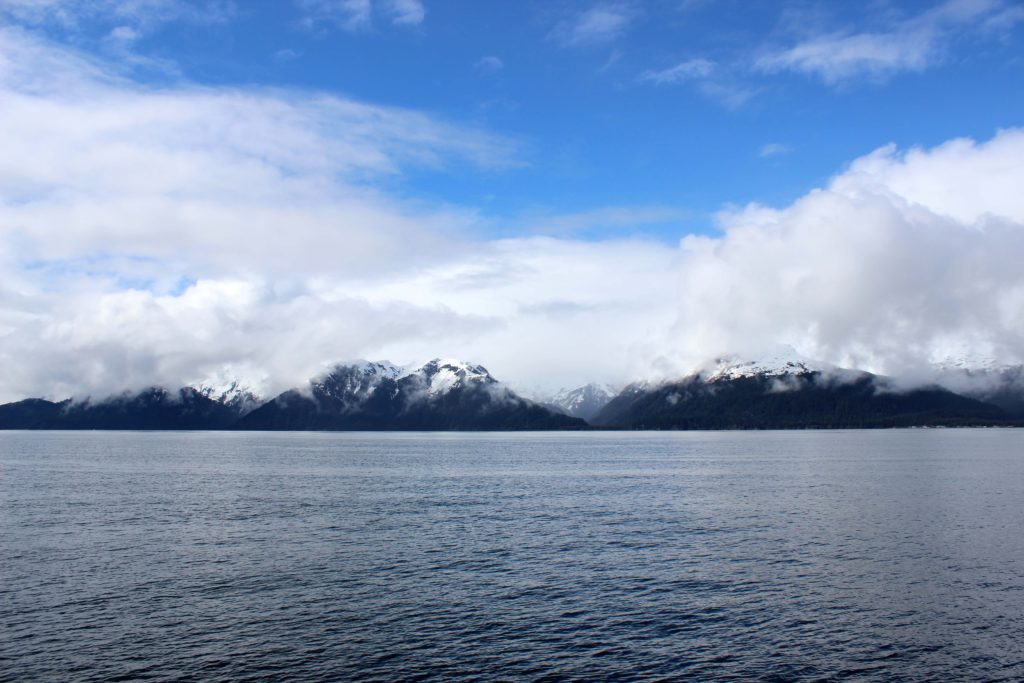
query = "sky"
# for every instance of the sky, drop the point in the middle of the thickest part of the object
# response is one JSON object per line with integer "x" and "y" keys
{"x": 564, "y": 192}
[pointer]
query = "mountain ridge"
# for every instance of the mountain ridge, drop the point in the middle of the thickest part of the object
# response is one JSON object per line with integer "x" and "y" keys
{"x": 733, "y": 393}
{"x": 729, "y": 392}
{"x": 442, "y": 394}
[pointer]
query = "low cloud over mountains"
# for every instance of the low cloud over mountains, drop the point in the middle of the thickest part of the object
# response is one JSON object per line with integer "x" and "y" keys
{"x": 179, "y": 234}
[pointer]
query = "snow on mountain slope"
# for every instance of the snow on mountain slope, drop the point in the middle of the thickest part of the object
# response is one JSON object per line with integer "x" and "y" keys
{"x": 355, "y": 379}
{"x": 771, "y": 365}
{"x": 379, "y": 368}
{"x": 231, "y": 393}
{"x": 442, "y": 375}
{"x": 443, "y": 393}
{"x": 584, "y": 402}
{"x": 352, "y": 383}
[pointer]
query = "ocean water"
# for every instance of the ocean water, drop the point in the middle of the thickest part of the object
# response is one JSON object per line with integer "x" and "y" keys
{"x": 847, "y": 555}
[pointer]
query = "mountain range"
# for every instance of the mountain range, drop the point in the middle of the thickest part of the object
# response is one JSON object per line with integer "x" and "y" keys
{"x": 447, "y": 394}
{"x": 796, "y": 394}
{"x": 444, "y": 394}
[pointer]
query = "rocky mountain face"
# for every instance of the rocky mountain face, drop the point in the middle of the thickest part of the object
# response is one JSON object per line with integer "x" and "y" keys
{"x": 792, "y": 394}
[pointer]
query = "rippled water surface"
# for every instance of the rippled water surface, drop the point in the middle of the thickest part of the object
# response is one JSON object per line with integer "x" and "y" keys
{"x": 770, "y": 555}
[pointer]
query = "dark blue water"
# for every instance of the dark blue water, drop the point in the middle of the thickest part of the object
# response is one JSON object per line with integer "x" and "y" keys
{"x": 777, "y": 556}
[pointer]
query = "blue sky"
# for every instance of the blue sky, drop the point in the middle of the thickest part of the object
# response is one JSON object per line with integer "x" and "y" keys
{"x": 202, "y": 191}
{"x": 587, "y": 93}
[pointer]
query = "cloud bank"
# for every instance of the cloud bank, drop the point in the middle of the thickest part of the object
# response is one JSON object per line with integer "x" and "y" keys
{"x": 168, "y": 235}
{"x": 904, "y": 258}
{"x": 179, "y": 234}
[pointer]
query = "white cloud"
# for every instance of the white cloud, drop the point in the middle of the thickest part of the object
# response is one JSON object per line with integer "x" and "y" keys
{"x": 597, "y": 25}
{"x": 729, "y": 95}
{"x": 903, "y": 258}
{"x": 683, "y": 71}
{"x": 121, "y": 24}
{"x": 124, "y": 34}
{"x": 105, "y": 185}
{"x": 166, "y": 235}
{"x": 273, "y": 336}
{"x": 286, "y": 54}
{"x": 142, "y": 15}
{"x": 351, "y": 15}
{"x": 774, "y": 149}
{"x": 406, "y": 12}
{"x": 603, "y": 218}
{"x": 837, "y": 57}
{"x": 567, "y": 312}
{"x": 489, "y": 64}
{"x": 707, "y": 79}
{"x": 909, "y": 45}
{"x": 357, "y": 15}
{"x": 540, "y": 313}
{"x": 169, "y": 234}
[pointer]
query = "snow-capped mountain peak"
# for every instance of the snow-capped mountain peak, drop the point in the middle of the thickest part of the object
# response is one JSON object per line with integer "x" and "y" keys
{"x": 355, "y": 379}
{"x": 778, "y": 364}
{"x": 444, "y": 374}
{"x": 232, "y": 393}
{"x": 353, "y": 382}
{"x": 585, "y": 401}
{"x": 378, "y": 368}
